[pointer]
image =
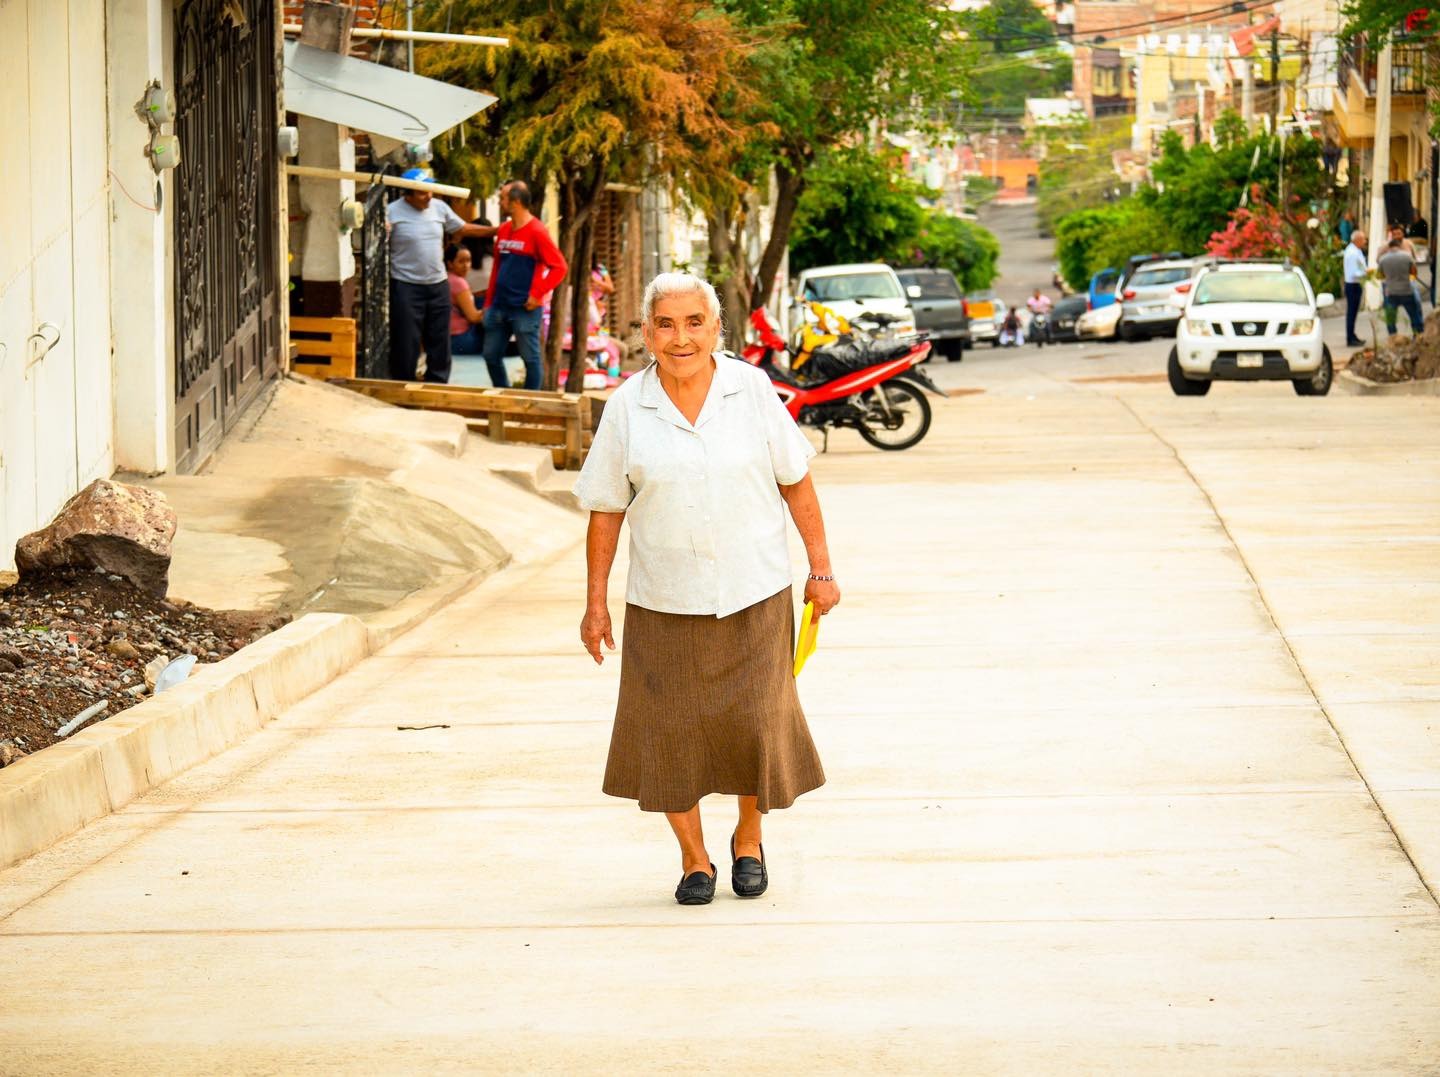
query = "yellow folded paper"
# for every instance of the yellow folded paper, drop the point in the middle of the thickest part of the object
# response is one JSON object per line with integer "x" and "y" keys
{"x": 809, "y": 633}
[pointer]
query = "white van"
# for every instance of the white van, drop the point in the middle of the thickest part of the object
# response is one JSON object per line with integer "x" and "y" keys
{"x": 851, "y": 290}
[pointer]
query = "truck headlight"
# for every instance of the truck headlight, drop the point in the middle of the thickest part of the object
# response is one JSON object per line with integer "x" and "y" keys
{"x": 1198, "y": 327}
{"x": 1301, "y": 326}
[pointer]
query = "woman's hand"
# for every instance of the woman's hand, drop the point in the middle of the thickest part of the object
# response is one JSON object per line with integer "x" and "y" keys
{"x": 596, "y": 627}
{"x": 825, "y": 594}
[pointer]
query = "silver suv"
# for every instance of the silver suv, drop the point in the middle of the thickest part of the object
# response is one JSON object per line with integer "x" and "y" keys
{"x": 1148, "y": 301}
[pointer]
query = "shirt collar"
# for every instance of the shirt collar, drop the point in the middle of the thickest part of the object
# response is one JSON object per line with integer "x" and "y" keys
{"x": 727, "y": 383}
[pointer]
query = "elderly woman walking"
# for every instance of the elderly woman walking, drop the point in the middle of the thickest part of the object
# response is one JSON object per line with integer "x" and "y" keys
{"x": 701, "y": 457}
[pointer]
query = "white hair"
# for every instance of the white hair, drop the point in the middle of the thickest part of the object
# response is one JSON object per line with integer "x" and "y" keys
{"x": 670, "y": 284}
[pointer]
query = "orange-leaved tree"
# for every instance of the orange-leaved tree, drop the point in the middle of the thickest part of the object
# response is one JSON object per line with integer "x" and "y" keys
{"x": 590, "y": 92}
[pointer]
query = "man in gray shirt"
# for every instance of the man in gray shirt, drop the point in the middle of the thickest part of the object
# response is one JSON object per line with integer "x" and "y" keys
{"x": 1396, "y": 265}
{"x": 419, "y": 294}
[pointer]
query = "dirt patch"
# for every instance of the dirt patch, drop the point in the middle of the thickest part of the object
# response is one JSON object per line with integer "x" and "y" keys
{"x": 963, "y": 392}
{"x": 1401, "y": 358}
{"x": 74, "y": 638}
{"x": 1127, "y": 379}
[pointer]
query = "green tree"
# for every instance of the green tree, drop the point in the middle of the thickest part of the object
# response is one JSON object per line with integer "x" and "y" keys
{"x": 859, "y": 206}
{"x": 832, "y": 68}
{"x": 963, "y": 247}
{"x": 1078, "y": 171}
{"x": 1094, "y": 239}
{"x": 1195, "y": 189}
{"x": 856, "y": 207}
{"x": 1193, "y": 195}
{"x": 591, "y": 92}
{"x": 1017, "y": 55}
{"x": 1077, "y": 234}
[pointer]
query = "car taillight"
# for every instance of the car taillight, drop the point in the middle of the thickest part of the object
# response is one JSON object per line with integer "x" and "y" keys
{"x": 1089, "y": 305}
{"x": 965, "y": 307}
{"x": 1182, "y": 288}
{"x": 1129, "y": 293}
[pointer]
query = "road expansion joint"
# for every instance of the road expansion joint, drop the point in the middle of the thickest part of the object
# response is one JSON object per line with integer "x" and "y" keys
{"x": 1289, "y": 646}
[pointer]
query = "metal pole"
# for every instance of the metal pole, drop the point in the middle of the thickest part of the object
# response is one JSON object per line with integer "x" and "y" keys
{"x": 1434, "y": 195}
{"x": 1247, "y": 96}
{"x": 410, "y": 28}
{"x": 1275, "y": 79}
{"x": 1380, "y": 164}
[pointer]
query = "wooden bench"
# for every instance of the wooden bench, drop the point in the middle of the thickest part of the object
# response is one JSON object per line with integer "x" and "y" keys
{"x": 326, "y": 347}
{"x": 559, "y": 421}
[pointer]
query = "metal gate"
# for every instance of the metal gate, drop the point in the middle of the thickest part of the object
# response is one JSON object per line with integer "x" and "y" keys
{"x": 372, "y": 251}
{"x": 227, "y": 292}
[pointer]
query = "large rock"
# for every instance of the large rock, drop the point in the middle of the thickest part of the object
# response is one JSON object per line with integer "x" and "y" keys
{"x": 124, "y": 530}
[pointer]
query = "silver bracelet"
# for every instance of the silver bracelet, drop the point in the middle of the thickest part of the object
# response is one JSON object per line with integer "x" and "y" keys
{"x": 822, "y": 579}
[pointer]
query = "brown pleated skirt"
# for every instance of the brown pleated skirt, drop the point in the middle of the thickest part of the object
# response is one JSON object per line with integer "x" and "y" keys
{"x": 708, "y": 705}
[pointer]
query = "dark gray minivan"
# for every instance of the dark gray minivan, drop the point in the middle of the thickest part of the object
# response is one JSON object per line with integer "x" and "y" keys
{"x": 939, "y": 307}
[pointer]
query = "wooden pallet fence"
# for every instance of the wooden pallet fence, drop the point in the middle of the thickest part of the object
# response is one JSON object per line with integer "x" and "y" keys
{"x": 326, "y": 347}
{"x": 558, "y": 421}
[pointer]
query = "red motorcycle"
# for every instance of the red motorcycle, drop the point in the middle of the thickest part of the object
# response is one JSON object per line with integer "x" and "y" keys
{"x": 872, "y": 386}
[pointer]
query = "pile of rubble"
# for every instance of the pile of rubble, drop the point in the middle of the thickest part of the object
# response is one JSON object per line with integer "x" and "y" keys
{"x": 1407, "y": 358}
{"x": 86, "y": 632}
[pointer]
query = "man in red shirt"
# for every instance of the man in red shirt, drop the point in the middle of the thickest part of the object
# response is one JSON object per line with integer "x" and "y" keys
{"x": 527, "y": 268}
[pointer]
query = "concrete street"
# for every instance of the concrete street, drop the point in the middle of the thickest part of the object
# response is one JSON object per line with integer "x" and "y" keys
{"x": 1131, "y": 718}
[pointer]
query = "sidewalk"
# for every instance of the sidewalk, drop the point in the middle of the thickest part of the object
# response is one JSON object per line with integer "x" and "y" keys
{"x": 1088, "y": 809}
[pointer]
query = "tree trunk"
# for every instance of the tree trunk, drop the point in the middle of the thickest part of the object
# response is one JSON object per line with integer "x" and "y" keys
{"x": 728, "y": 272}
{"x": 788, "y": 185}
{"x": 580, "y": 305}
{"x": 565, "y": 240}
{"x": 585, "y": 195}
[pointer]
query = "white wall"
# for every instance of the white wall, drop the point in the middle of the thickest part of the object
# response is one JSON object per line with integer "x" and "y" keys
{"x": 55, "y": 407}
{"x": 142, "y": 299}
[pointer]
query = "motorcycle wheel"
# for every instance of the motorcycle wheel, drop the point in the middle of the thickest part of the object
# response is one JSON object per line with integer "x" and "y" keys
{"x": 910, "y": 413}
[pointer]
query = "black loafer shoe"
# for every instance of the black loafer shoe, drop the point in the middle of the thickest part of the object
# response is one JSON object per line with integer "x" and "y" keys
{"x": 748, "y": 877}
{"x": 697, "y": 888}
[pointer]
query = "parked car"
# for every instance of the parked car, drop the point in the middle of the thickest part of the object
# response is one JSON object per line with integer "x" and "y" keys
{"x": 1148, "y": 300}
{"x": 1064, "y": 315}
{"x": 1102, "y": 288}
{"x": 986, "y": 311}
{"x": 1251, "y": 321}
{"x": 1098, "y": 324}
{"x": 852, "y": 290}
{"x": 939, "y": 307}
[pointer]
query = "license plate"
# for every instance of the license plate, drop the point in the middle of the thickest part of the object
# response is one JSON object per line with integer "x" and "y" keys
{"x": 1250, "y": 359}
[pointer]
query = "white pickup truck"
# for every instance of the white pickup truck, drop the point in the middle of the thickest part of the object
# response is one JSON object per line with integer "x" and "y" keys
{"x": 852, "y": 290}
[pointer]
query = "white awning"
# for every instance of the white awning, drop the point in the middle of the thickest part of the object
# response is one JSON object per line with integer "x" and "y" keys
{"x": 372, "y": 97}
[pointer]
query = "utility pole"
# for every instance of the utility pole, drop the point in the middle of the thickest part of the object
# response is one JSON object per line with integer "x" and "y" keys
{"x": 1275, "y": 79}
{"x": 410, "y": 26}
{"x": 1380, "y": 165}
{"x": 1247, "y": 95}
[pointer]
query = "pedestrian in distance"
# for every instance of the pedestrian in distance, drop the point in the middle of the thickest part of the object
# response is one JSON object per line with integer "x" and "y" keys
{"x": 527, "y": 268}
{"x": 1396, "y": 266}
{"x": 465, "y": 316}
{"x": 1355, "y": 271}
{"x": 419, "y": 227}
{"x": 698, "y": 454}
{"x": 1346, "y": 227}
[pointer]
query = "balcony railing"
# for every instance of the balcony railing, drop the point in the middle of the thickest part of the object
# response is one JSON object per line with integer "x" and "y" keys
{"x": 1407, "y": 69}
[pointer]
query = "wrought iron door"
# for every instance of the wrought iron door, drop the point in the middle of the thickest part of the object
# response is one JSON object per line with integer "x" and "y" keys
{"x": 226, "y": 225}
{"x": 372, "y": 249}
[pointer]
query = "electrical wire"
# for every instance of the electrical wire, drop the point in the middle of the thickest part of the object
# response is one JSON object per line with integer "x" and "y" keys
{"x": 1171, "y": 23}
{"x": 127, "y": 194}
{"x": 1187, "y": 17}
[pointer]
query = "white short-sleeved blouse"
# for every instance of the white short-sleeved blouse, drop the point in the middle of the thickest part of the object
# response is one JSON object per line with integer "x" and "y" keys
{"x": 707, "y": 523}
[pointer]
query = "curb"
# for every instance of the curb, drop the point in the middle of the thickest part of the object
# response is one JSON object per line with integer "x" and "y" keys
{"x": 1355, "y": 385}
{"x": 55, "y": 792}
{"x": 385, "y": 626}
